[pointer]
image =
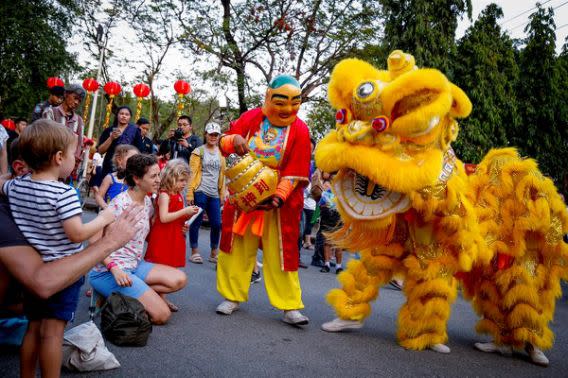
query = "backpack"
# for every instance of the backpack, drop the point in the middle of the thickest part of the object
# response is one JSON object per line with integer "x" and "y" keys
{"x": 124, "y": 321}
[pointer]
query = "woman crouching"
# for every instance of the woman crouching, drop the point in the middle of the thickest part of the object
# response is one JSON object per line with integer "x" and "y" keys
{"x": 125, "y": 271}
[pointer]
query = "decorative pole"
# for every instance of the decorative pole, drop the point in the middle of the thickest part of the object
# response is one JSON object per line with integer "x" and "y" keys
{"x": 112, "y": 88}
{"x": 141, "y": 90}
{"x": 182, "y": 88}
{"x": 90, "y": 85}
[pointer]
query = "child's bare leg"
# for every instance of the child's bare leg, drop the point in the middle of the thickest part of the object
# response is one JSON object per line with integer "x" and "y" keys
{"x": 50, "y": 349}
{"x": 327, "y": 253}
{"x": 326, "y": 258}
{"x": 29, "y": 350}
{"x": 338, "y": 255}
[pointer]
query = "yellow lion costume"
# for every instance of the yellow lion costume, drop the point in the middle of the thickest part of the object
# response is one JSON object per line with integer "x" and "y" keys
{"x": 409, "y": 208}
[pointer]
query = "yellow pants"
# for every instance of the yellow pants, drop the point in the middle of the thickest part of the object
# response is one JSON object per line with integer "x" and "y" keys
{"x": 234, "y": 269}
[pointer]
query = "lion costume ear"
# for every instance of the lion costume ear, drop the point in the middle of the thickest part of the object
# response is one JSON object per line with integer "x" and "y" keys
{"x": 347, "y": 75}
{"x": 461, "y": 105}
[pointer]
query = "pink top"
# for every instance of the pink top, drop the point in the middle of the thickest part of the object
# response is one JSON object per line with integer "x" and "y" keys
{"x": 127, "y": 257}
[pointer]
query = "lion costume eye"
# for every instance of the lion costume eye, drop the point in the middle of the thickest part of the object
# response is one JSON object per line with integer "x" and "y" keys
{"x": 365, "y": 89}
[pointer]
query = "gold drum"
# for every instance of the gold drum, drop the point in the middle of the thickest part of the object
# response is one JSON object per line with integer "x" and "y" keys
{"x": 249, "y": 181}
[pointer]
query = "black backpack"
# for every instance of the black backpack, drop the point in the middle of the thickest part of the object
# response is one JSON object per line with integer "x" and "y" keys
{"x": 124, "y": 321}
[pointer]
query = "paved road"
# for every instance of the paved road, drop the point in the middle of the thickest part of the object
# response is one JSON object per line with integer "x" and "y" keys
{"x": 253, "y": 342}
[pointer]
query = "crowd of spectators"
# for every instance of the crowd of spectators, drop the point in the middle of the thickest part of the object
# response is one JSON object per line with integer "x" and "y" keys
{"x": 147, "y": 190}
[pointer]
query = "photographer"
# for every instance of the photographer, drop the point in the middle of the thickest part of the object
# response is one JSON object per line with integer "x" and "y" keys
{"x": 181, "y": 141}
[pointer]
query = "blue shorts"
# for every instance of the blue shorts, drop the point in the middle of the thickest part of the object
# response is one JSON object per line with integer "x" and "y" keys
{"x": 105, "y": 284}
{"x": 61, "y": 305}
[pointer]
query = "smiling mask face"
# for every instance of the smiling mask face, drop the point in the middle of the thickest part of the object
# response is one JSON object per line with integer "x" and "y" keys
{"x": 282, "y": 101}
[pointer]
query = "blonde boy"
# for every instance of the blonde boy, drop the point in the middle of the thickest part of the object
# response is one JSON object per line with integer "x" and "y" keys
{"x": 48, "y": 214}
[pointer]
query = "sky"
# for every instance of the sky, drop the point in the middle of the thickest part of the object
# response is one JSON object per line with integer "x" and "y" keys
{"x": 516, "y": 16}
{"x": 516, "y": 13}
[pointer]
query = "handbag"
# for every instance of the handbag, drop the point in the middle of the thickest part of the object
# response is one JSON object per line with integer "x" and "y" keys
{"x": 124, "y": 321}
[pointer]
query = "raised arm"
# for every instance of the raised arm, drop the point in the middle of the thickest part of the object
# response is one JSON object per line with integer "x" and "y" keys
{"x": 44, "y": 280}
{"x": 78, "y": 232}
{"x": 103, "y": 189}
{"x": 166, "y": 216}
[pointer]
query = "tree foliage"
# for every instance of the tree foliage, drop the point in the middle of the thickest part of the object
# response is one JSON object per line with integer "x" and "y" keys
{"x": 426, "y": 28}
{"x": 33, "y": 37}
{"x": 542, "y": 131}
{"x": 485, "y": 68}
{"x": 304, "y": 38}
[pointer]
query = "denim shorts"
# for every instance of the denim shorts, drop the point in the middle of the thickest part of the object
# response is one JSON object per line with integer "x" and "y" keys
{"x": 61, "y": 305}
{"x": 105, "y": 284}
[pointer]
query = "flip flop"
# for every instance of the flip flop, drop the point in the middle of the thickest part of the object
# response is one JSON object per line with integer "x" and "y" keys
{"x": 196, "y": 259}
{"x": 212, "y": 259}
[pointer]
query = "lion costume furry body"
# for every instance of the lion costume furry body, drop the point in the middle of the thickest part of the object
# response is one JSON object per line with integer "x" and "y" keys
{"x": 409, "y": 208}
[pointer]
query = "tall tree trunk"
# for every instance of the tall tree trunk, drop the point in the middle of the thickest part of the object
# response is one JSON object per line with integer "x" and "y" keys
{"x": 239, "y": 66}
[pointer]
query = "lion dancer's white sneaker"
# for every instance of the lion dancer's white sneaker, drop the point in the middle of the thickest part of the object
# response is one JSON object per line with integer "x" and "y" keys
{"x": 338, "y": 325}
{"x": 295, "y": 317}
{"x": 505, "y": 350}
{"x": 537, "y": 356}
{"x": 440, "y": 348}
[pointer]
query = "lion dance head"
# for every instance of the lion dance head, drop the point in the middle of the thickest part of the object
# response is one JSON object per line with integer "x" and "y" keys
{"x": 392, "y": 139}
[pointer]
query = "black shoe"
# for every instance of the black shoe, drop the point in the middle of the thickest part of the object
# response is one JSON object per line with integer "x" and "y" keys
{"x": 338, "y": 270}
{"x": 255, "y": 277}
{"x": 302, "y": 265}
{"x": 325, "y": 269}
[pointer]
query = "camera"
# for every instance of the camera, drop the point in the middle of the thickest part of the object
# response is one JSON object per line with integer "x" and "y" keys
{"x": 178, "y": 134}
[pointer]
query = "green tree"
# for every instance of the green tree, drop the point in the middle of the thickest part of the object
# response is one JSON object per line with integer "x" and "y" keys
{"x": 321, "y": 119}
{"x": 542, "y": 133}
{"x": 424, "y": 28}
{"x": 33, "y": 38}
{"x": 302, "y": 37}
{"x": 485, "y": 68}
{"x": 562, "y": 64}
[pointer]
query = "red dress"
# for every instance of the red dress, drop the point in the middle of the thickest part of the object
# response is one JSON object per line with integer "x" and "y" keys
{"x": 166, "y": 242}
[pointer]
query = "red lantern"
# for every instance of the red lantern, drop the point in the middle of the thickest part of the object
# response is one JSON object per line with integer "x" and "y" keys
{"x": 182, "y": 87}
{"x": 54, "y": 81}
{"x": 141, "y": 90}
{"x": 112, "y": 88}
{"x": 9, "y": 124}
{"x": 90, "y": 84}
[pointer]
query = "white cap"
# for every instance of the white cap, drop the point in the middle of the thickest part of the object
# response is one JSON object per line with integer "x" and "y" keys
{"x": 212, "y": 128}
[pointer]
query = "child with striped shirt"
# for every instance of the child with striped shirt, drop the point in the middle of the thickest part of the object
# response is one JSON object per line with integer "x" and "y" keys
{"x": 48, "y": 214}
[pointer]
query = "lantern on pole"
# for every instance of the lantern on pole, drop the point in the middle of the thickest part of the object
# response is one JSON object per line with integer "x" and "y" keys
{"x": 90, "y": 85}
{"x": 182, "y": 88}
{"x": 112, "y": 88}
{"x": 141, "y": 90}
{"x": 54, "y": 81}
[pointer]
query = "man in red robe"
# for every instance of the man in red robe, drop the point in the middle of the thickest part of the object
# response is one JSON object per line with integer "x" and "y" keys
{"x": 277, "y": 137}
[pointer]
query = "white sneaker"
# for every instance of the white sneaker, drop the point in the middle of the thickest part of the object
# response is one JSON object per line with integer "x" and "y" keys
{"x": 295, "y": 317}
{"x": 505, "y": 350}
{"x": 338, "y": 325}
{"x": 536, "y": 355}
{"x": 440, "y": 348}
{"x": 227, "y": 307}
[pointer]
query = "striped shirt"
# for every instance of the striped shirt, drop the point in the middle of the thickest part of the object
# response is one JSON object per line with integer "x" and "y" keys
{"x": 39, "y": 209}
